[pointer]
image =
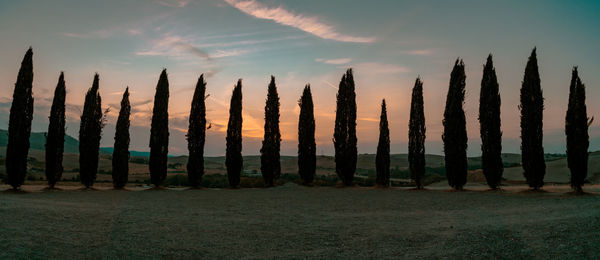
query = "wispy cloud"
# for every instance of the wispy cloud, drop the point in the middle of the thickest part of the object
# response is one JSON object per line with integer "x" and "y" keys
{"x": 229, "y": 53}
{"x": 103, "y": 33}
{"x": 170, "y": 45}
{"x": 423, "y": 52}
{"x": 368, "y": 119}
{"x": 305, "y": 23}
{"x": 246, "y": 42}
{"x": 335, "y": 61}
{"x": 179, "y": 47}
{"x": 174, "y": 3}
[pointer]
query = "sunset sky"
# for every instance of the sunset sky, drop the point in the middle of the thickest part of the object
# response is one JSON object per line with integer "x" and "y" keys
{"x": 387, "y": 43}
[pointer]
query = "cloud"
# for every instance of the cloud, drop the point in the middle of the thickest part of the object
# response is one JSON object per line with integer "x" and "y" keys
{"x": 174, "y": 3}
{"x": 134, "y": 31}
{"x": 103, "y": 33}
{"x": 170, "y": 45}
{"x": 424, "y": 52}
{"x": 229, "y": 53}
{"x": 335, "y": 61}
{"x": 308, "y": 24}
{"x": 247, "y": 42}
{"x": 368, "y": 119}
{"x": 179, "y": 47}
{"x": 142, "y": 103}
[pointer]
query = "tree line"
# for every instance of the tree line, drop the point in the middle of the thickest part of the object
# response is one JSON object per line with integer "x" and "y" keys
{"x": 344, "y": 137}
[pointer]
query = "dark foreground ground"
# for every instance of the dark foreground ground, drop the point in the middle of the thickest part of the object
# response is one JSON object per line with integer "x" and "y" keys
{"x": 298, "y": 222}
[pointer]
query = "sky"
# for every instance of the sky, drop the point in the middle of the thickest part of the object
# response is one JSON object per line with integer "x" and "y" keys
{"x": 388, "y": 43}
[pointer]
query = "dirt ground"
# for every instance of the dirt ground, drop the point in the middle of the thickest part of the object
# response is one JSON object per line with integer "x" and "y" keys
{"x": 291, "y": 221}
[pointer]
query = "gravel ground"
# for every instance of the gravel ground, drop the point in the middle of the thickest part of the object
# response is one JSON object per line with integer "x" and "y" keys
{"x": 299, "y": 222}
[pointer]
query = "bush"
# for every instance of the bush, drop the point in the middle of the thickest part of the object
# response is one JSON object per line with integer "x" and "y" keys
{"x": 325, "y": 180}
{"x": 215, "y": 181}
{"x": 176, "y": 180}
{"x": 174, "y": 165}
{"x": 399, "y": 174}
{"x": 139, "y": 160}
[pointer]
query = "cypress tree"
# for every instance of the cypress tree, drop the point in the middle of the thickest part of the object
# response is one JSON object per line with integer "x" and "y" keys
{"x": 196, "y": 134}
{"x": 159, "y": 132}
{"x": 576, "y": 128}
{"x": 90, "y": 130}
{"x": 55, "y": 140}
{"x": 120, "y": 158}
{"x": 307, "y": 147}
{"x": 455, "y": 131}
{"x": 270, "y": 165}
{"x": 233, "y": 155}
{"x": 416, "y": 136}
{"x": 344, "y": 136}
{"x": 489, "y": 120}
{"x": 19, "y": 124}
{"x": 382, "y": 159}
{"x": 532, "y": 108}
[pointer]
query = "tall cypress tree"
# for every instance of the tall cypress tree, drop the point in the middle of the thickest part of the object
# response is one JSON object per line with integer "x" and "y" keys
{"x": 382, "y": 159}
{"x": 55, "y": 140}
{"x": 307, "y": 147}
{"x": 233, "y": 155}
{"x": 344, "y": 136}
{"x": 19, "y": 124}
{"x": 120, "y": 158}
{"x": 416, "y": 135}
{"x": 455, "y": 130}
{"x": 270, "y": 165}
{"x": 576, "y": 128}
{"x": 196, "y": 134}
{"x": 489, "y": 120}
{"x": 532, "y": 109}
{"x": 90, "y": 131}
{"x": 159, "y": 132}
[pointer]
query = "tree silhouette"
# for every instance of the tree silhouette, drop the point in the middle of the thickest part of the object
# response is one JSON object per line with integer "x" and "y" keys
{"x": 55, "y": 139}
{"x": 159, "y": 132}
{"x": 489, "y": 120}
{"x": 19, "y": 124}
{"x": 344, "y": 136}
{"x": 455, "y": 131}
{"x": 416, "y": 136}
{"x": 576, "y": 128}
{"x": 233, "y": 155}
{"x": 270, "y": 165}
{"x": 307, "y": 148}
{"x": 196, "y": 134}
{"x": 90, "y": 131}
{"x": 120, "y": 157}
{"x": 532, "y": 108}
{"x": 382, "y": 159}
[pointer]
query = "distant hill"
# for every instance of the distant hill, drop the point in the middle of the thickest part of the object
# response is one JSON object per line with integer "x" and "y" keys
{"x": 110, "y": 150}
{"x": 557, "y": 170}
{"x": 37, "y": 141}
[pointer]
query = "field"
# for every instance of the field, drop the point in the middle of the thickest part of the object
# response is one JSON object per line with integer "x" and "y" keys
{"x": 294, "y": 221}
{"x": 297, "y": 222}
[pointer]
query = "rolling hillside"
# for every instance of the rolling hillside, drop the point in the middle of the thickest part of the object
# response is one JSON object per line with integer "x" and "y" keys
{"x": 557, "y": 171}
